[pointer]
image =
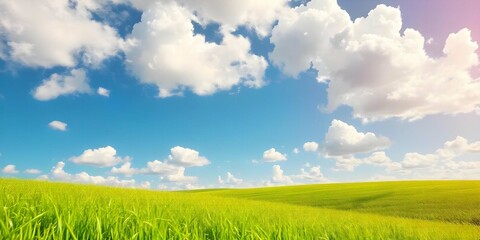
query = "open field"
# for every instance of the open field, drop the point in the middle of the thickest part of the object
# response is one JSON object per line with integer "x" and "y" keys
{"x": 452, "y": 201}
{"x": 33, "y": 209}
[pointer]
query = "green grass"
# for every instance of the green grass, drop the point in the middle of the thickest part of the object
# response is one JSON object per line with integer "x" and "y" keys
{"x": 42, "y": 210}
{"x": 452, "y": 201}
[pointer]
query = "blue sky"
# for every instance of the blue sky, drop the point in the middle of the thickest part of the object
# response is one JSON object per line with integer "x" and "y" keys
{"x": 230, "y": 94}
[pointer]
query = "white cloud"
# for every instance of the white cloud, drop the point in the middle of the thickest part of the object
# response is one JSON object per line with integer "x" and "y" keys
{"x": 145, "y": 185}
{"x": 230, "y": 179}
{"x": 271, "y": 155}
{"x": 179, "y": 177}
{"x": 58, "y": 173}
{"x": 314, "y": 174}
{"x": 173, "y": 168}
{"x": 163, "y": 45}
{"x": 460, "y": 144}
{"x": 169, "y": 172}
{"x": 33, "y": 171}
{"x": 10, "y": 169}
{"x": 126, "y": 169}
{"x": 381, "y": 159}
{"x": 51, "y": 33}
{"x": 373, "y": 67}
{"x": 186, "y": 157}
{"x": 258, "y": 15}
{"x": 346, "y": 163}
{"x": 57, "y": 125}
{"x": 57, "y": 85}
{"x": 343, "y": 139}
{"x": 100, "y": 157}
{"x": 463, "y": 165}
{"x": 103, "y": 92}
{"x": 417, "y": 160}
{"x": 160, "y": 168}
{"x": 279, "y": 177}
{"x": 310, "y": 146}
{"x": 296, "y": 151}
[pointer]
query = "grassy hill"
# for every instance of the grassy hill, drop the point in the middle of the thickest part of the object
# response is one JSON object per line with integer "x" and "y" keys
{"x": 452, "y": 201}
{"x": 32, "y": 209}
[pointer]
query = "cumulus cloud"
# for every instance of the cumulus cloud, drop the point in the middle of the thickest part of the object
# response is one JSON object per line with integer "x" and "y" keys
{"x": 100, "y": 157}
{"x": 278, "y": 177}
{"x": 417, "y": 160}
{"x": 230, "y": 179}
{"x": 58, "y": 125}
{"x": 59, "y": 174}
{"x": 10, "y": 169}
{"x": 179, "y": 176}
{"x": 160, "y": 168}
{"x": 257, "y": 15}
{"x": 52, "y": 33}
{"x": 381, "y": 159}
{"x": 271, "y": 155}
{"x": 372, "y": 66}
{"x": 460, "y": 144}
{"x": 310, "y": 146}
{"x": 449, "y": 155}
{"x": 346, "y": 163}
{"x": 33, "y": 171}
{"x": 103, "y": 92}
{"x": 296, "y": 151}
{"x": 313, "y": 174}
{"x": 57, "y": 85}
{"x": 173, "y": 168}
{"x": 350, "y": 162}
{"x": 163, "y": 45}
{"x": 343, "y": 139}
{"x": 126, "y": 169}
{"x": 186, "y": 157}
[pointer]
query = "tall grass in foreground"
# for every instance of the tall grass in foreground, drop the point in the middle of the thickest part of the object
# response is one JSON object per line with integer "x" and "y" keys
{"x": 41, "y": 210}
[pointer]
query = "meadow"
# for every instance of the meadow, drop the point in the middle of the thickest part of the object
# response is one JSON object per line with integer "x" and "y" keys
{"x": 388, "y": 210}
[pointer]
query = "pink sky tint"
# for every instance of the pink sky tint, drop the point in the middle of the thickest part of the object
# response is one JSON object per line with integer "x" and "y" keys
{"x": 438, "y": 18}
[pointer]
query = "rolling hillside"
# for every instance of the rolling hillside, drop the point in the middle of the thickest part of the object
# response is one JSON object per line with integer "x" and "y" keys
{"x": 453, "y": 201}
{"x": 43, "y": 210}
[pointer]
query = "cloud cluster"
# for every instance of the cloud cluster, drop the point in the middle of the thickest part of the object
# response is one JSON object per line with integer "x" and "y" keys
{"x": 343, "y": 142}
{"x": 373, "y": 67}
{"x": 163, "y": 46}
{"x": 369, "y": 63}
{"x": 311, "y": 174}
{"x": 172, "y": 169}
{"x": 53, "y": 33}
{"x": 448, "y": 155}
{"x": 257, "y": 15}
{"x": 58, "y": 173}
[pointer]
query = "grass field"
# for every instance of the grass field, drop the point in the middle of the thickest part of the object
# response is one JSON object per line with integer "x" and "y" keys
{"x": 390, "y": 210}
